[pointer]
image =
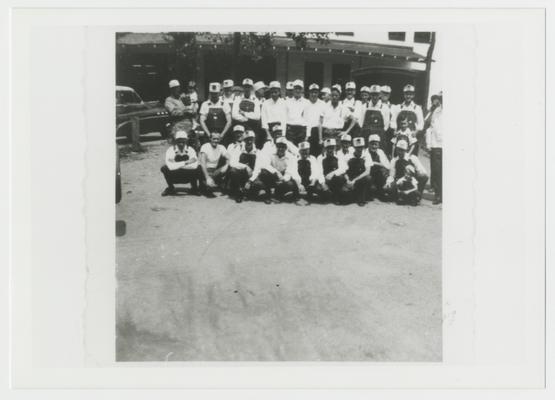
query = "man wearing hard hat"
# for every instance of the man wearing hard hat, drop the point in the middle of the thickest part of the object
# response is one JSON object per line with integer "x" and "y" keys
{"x": 397, "y": 169}
{"x": 411, "y": 111}
{"x": 181, "y": 165}
{"x": 215, "y": 114}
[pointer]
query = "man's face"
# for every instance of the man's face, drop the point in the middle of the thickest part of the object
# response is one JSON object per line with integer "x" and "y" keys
{"x": 345, "y": 145}
{"x": 350, "y": 92}
{"x": 275, "y": 93}
{"x": 364, "y": 96}
{"x": 304, "y": 154}
{"x": 298, "y": 91}
{"x": 260, "y": 93}
{"x": 358, "y": 151}
{"x": 404, "y": 124}
{"x": 289, "y": 92}
{"x": 436, "y": 102}
{"x": 375, "y": 97}
{"x": 187, "y": 125}
{"x": 249, "y": 142}
{"x": 238, "y": 92}
{"x": 214, "y": 96}
{"x": 409, "y": 96}
{"x": 374, "y": 146}
{"x": 281, "y": 147}
{"x": 313, "y": 95}
{"x": 180, "y": 144}
{"x": 175, "y": 91}
{"x": 227, "y": 92}
{"x": 330, "y": 150}
{"x": 335, "y": 96}
{"x": 215, "y": 139}
{"x": 325, "y": 97}
{"x": 237, "y": 135}
{"x": 247, "y": 90}
{"x": 385, "y": 97}
{"x": 400, "y": 152}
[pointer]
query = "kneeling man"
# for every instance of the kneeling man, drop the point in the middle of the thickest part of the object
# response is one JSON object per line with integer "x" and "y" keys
{"x": 241, "y": 166}
{"x": 309, "y": 172}
{"x": 333, "y": 169}
{"x": 181, "y": 165}
{"x": 214, "y": 163}
{"x": 358, "y": 173}
{"x": 279, "y": 172}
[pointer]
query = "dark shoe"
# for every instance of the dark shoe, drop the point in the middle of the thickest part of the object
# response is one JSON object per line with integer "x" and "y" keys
{"x": 168, "y": 192}
{"x": 361, "y": 203}
{"x": 194, "y": 192}
{"x": 436, "y": 201}
{"x": 239, "y": 199}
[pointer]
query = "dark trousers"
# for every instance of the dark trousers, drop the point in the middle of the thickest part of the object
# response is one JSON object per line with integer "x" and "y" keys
{"x": 409, "y": 198}
{"x": 358, "y": 192}
{"x": 436, "y": 155}
{"x": 313, "y": 192}
{"x": 181, "y": 175}
{"x": 237, "y": 179}
{"x": 392, "y": 192}
{"x": 267, "y": 181}
{"x": 314, "y": 140}
{"x": 335, "y": 186}
{"x": 378, "y": 175}
{"x": 295, "y": 134}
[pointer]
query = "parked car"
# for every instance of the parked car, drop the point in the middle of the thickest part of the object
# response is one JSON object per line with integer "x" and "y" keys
{"x": 153, "y": 117}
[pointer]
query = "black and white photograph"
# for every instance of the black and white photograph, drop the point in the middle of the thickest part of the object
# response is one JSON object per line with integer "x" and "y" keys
{"x": 279, "y": 196}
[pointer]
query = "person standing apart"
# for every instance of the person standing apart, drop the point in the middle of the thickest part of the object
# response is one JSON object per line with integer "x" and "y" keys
{"x": 273, "y": 112}
{"x": 313, "y": 116}
{"x": 215, "y": 114}
{"x": 434, "y": 142}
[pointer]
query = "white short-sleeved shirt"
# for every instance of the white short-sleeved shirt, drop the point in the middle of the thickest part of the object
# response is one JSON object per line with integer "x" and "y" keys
{"x": 208, "y": 104}
{"x": 313, "y": 112}
{"x": 212, "y": 154}
{"x": 334, "y": 117}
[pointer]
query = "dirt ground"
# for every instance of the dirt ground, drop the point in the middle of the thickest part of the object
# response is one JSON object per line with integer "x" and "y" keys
{"x": 209, "y": 279}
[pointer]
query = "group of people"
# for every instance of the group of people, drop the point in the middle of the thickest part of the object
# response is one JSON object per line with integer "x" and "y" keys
{"x": 251, "y": 142}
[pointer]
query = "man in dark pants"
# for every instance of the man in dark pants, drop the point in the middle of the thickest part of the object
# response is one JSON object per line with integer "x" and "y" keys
{"x": 279, "y": 172}
{"x": 380, "y": 166}
{"x": 333, "y": 169}
{"x": 398, "y": 166}
{"x": 310, "y": 173}
{"x": 358, "y": 174}
{"x": 434, "y": 141}
{"x": 181, "y": 165}
{"x": 241, "y": 166}
{"x": 215, "y": 114}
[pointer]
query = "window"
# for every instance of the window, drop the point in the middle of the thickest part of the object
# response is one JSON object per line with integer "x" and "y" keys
{"x": 422, "y": 37}
{"x": 313, "y": 73}
{"x": 400, "y": 36}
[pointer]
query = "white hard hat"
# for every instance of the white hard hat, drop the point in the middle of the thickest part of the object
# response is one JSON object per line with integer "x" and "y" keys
{"x": 374, "y": 138}
{"x": 174, "y": 83}
{"x": 375, "y": 89}
{"x": 329, "y": 142}
{"x": 259, "y": 85}
{"x": 289, "y": 86}
{"x": 350, "y": 85}
{"x": 275, "y": 85}
{"x": 228, "y": 83}
{"x": 304, "y": 146}
{"x": 281, "y": 140}
{"x": 247, "y": 81}
{"x": 298, "y": 82}
{"x": 238, "y": 128}
{"x": 345, "y": 138}
{"x": 181, "y": 135}
{"x": 325, "y": 90}
{"x": 336, "y": 87}
{"x": 358, "y": 142}
{"x": 249, "y": 134}
{"x": 408, "y": 88}
{"x": 214, "y": 87}
{"x": 365, "y": 89}
{"x": 314, "y": 86}
{"x": 402, "y": 144}
{"x": 385, "y": 89}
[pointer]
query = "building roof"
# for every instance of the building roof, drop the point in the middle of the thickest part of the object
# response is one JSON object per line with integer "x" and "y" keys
{"x": 144, "y": 38}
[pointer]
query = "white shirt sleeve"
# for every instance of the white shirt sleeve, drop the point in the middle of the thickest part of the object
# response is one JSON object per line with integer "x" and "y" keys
{"x": 204, "y": 109}
{"x": 170, "y": 160}
{"x": 235, "y": 114}
{"x": 419, "y": 118}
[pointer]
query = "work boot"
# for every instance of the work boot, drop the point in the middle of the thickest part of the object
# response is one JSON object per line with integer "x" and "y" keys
{"x": 169, "y": 191}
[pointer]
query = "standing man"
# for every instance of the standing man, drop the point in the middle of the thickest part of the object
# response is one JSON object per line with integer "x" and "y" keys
{"x": 397, "y": 169}
{"x": 260, "y": 91}
{"x": 385, "y": 94}
{"x": 325, "y": 94}
{"x": 374, "y": 116}
{"x": 335, "y": 115}
{"x": 296, "y": 124}
{"x": 273, "y": 113}
{"x": 228, "y": 96}
{"x": 310, "y": 173}
{"x": 380, "y": 165}
{"x": 353, "y": 105}
{"x": 434, "y": 142}
{"x": 181, "y": 165}
{"x": 179, "y": 106}
{"x": 279, "y": 172}
{"x": 313, "y": 116}
{"x": 213, "y": 163}
{"x": 246, "y": 109}
{"x": 358, "y": 173}
{"x": 215, "y": 114}
{"x": 411, "y": 111}
{"x": 289, "y": 90}
{"x": 241, "y": 166}
{"x": 333, "y": 171}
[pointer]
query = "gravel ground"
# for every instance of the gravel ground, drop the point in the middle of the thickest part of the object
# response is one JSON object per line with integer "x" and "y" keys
{"x": 209, "y": 279}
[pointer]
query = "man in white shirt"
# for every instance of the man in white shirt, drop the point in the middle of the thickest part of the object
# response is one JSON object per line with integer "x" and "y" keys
{"x": 380, "y": 165}
{"x": 260, "y": 91}
{"x": 397, "y": 169}
{"x": 296, "y": 123}
{"x": 353, "y": 105}
{"x": 273, "y": 111}
{"x": 310, "y": 173}
{"x": 279, "y": 171}
{"x": 227, "y": 95}
{"x": 374, "y": 116}
{"x": 434, "y": 142}
{"x": 214, "y": 164}
{"x": 333, "y": 170}
{"x": 313, "y": 115}
{"x": 242, "y": 162}
{"x": 358, "y": 174}
{"x": 346, "y": 149}
{"x": 335, "y": 115}
{"x": 289, "y": 90}
{"x": 215, "y": 114}
{"x": 246, "y": 109}
{"x": 411, "y": 111}
{"x": 179, "y": 107}
{"x": 325, "y": 94}
{"x": 385, "y": 94}
{"x": 181, "y": 165}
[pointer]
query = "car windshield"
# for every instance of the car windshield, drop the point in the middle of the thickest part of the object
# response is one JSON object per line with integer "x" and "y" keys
{"x": 127, "y": 97}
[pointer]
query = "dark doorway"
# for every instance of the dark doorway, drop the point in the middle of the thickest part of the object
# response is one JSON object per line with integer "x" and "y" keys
{"x": 313, "y": 73}
{"x": 340, "y": 73}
